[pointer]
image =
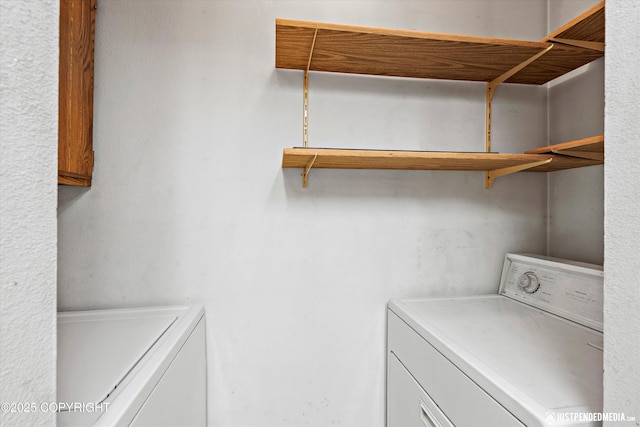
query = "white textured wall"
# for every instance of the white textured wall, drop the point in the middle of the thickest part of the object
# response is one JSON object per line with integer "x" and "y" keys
{"x": 189, "y": 202}
{"x": 622, "y": 205}
{"x": 28, "y": 186}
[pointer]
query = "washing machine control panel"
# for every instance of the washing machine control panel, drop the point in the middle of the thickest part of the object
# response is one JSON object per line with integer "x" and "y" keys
{"x": 566, "y": 288}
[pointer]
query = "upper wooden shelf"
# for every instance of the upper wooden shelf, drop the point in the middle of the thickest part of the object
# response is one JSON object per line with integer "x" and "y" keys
{"x": 404, "y": 53}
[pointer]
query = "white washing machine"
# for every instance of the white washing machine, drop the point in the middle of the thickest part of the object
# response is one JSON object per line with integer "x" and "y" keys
{"x": 132, "y": 367}
{"x": 529, "y": 356}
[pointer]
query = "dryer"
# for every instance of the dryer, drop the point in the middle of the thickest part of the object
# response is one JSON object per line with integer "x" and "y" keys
{"x": 530, "y": 355}
{"x": 132, "y": 367}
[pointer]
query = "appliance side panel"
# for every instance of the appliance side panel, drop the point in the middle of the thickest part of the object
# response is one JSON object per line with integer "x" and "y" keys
{"x": 180, "y": 398}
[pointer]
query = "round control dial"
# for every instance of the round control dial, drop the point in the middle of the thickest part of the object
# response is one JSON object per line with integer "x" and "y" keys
{"x": 529, "y": 282}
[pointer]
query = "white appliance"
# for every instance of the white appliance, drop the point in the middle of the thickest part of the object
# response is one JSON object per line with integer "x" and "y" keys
{"x": 529, "y": 356}
{"x": 132, "y": 367}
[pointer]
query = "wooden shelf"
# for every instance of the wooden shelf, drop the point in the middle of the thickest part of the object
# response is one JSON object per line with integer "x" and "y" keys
{"x": 561, "y": 162}
{"x": 330, "y": 158}
{"x": 494, "y": 164}
{"x": 311, "y": 46}
{"x": 593, "y": 144}
{"x": 404, "y": 53}
{"x": 588, "y": 148}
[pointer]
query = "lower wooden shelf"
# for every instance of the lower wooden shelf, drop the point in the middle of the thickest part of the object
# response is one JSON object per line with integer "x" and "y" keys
{"x": 560, "y": 162}
{"x": 591, "y": 148}
{"x": 495, "y": 164}
{"x": 397, "y": 159}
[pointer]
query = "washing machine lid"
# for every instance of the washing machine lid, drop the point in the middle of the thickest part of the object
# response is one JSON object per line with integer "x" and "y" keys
{"x": 96, "y": 352}
{"x": 533, "y": 363}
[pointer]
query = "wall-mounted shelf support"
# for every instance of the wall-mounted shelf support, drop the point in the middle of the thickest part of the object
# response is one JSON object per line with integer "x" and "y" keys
{"x": 493, "y": 85}
{"x": 496, "y": 173}
{"x": 305, "y": 96}
{"x": 490, "y": 91}
{"x": 305, "y": 173}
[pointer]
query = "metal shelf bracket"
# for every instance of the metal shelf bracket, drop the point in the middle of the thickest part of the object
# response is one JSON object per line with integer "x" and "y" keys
{"x": 496, "y": 173}
{"x": 490, "y": 91}
{"x": 305, "y": 173}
